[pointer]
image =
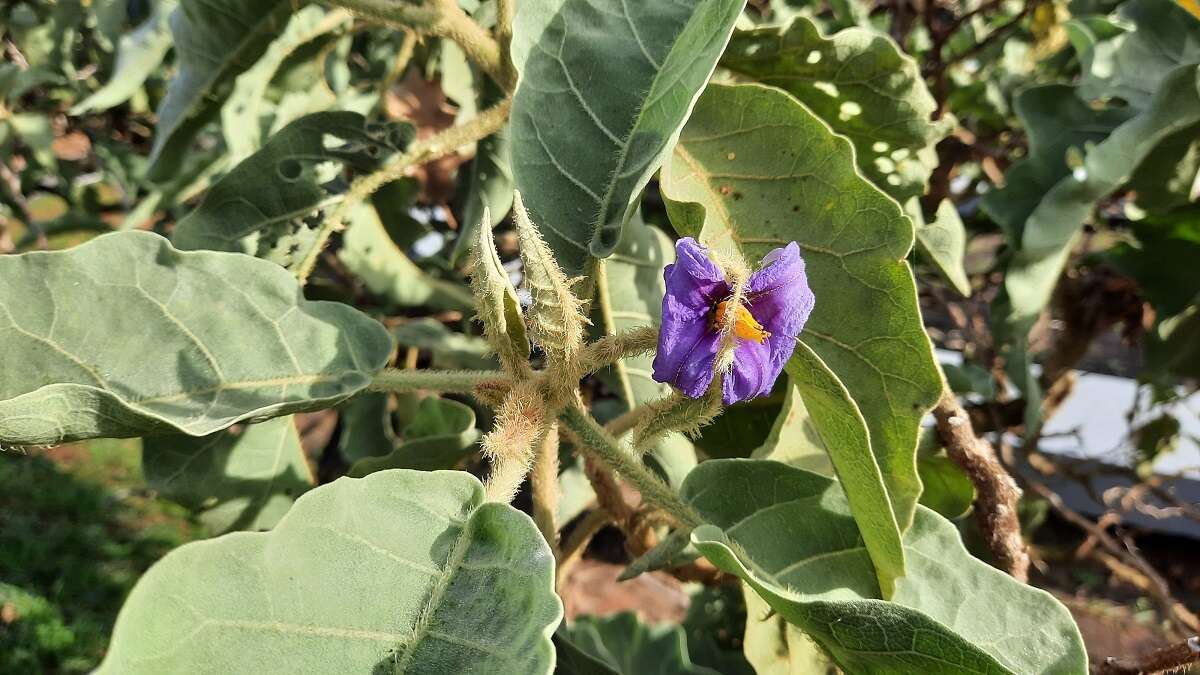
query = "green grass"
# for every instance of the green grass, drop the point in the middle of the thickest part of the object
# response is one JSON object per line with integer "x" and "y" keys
{"x": 76, "y": 532}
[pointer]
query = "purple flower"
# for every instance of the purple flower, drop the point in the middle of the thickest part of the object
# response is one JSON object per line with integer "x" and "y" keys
{"x": 777, "y": 304}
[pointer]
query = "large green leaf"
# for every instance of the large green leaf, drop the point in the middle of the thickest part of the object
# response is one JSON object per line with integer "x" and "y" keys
{"x": 399, "y": 572}
{"x": 238, "y": 480}
{"x": 215, "y": 40}
{"x": 1132, "y": 64}
{"x": 605, "y": 85}
{"x": 625, "y": 646}
{"x": 125, "y": 336}
{"x": 442, "y": 433}
{"x": 754, "y": 170}
{"x": 1053, "y": 226}
{"x": 862, "y": 85}
{"x": 271, "y": 203}
{"x": 843, "y": 432}
{"x": 1055, "y": 120}
{"x": 797, "y": 546}
{"x": 139, "y": 53}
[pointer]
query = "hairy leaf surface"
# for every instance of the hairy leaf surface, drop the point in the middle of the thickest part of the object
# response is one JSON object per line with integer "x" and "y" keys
{"x": 399, "y": 572}
{"x": 125, "y": 336}
{"x": 604, "y": 87}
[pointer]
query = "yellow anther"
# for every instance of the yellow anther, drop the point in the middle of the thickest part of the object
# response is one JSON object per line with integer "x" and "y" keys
{"x": 745, "y": 326}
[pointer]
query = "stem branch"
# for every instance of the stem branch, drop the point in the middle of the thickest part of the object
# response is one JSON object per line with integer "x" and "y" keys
{"x": 446, "y": 381}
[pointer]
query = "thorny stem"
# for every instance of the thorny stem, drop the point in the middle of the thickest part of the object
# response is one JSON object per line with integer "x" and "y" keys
{"x": 1178, "y": 656}
{"x": 421, "y": 151}
{"x": 448, "y": 381}
{"x": 596, "y": 442}
{"x": 996, "y": 493}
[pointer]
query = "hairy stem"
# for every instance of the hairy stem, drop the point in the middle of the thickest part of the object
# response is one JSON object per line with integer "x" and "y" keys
{"x": 612, "y": 348}
{"x": 446, "y": 381}
{"x": 421, "y": 151}
{"x": 996, "y": 493}
{"x": 544, "y": 483}
{"x": 598, "y": 443}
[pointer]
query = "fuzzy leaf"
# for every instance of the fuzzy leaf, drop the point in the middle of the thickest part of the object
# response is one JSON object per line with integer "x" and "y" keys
{"x": 238, "y": 480}
{"x": 496, "y": 301}
{"x": 605, "y": 85}
{"x": 203, "y": 340}
{"x": 797, "y": 546}
{"x": 429, "y": 579}
{"x": 556, "y": 317}
{"x": 214, "y": 40}
{"x": 862, "y": 85}
{"x": 755, "y": 170}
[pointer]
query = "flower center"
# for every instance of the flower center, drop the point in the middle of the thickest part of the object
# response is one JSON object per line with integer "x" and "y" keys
{"x": 745, "y": 326}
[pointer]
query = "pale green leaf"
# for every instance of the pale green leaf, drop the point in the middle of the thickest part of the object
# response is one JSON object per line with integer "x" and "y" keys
{"x": 862, "y": 85}
{"x": 775, "y": 647}
{"x": 754, "y": 170}
{"x": 270, "y": 204}
{"x": 947, "y": 489}
{"x": 944, "y": 240}
{"x": 496, "y": 301}
{"x": 1055, "y": 223}
{"x": 797, "y": 546}
{"x": 366, "y": 427}
{"x": 626, "y": 646}
{"x": 449, "y": 350}
{"x": 793, "y": 439}
{"x": 442, "y": 433}
{"x": 214, "y": 40}
{"x": 1133, "y": 64}
{"x": 139, "y": 53}
{"x": 399, "y": 572}
{"x": 605, "y": 85}
{"x": 369, "y": 252}
{"x": 125, "y": 336}
{"x": 243, "y": 479}
{"x": 843, "y": 432}
{"x": 242, "y": 115}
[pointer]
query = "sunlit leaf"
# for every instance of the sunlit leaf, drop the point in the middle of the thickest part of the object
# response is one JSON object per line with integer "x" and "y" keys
{"x": 426, "y": 577}
{"x": 124, "y": 336}
{"x": 139, "y": 53}
{"x": 798, "y": 547}
{"x": 238, "y": 480}
{"x": 604, "y": 87}
{"x": 861, "y": 84}
{"x": 754, "y": 170}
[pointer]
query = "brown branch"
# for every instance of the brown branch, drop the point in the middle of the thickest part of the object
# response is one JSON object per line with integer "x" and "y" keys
{"x": 996, "y": 493}
{"x": 1178, "y": 656}
{"x": 1159, "y": 588}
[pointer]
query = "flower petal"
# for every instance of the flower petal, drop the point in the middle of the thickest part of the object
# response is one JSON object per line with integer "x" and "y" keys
{"x": 694, "y": 281}
{"x": 686, "y": 353}
{"x": 752, "y": 373}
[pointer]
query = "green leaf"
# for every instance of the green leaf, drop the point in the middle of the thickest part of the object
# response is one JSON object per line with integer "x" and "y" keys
{"x": 1133, "y": 64}
{"x": 605, "y": 85}
{"x": 843, "y": 432}
{"x": 944, "y": 240}
{"x": 450, "y": 350}
{"x": 442, "y": 433}
{"x": 1055, "y": 120}
{"x": 862, "y": 85}
{"x": 776, "y": 647}
{"x": 947, "y": 489}
{"x": 1055, "y": 223}
{"x": 793, "y": 439}
{"x": 622, "y": 645}
{"x": 242, "y": 115}
{"x": 369, "y": 252}
{"x": 366, "y": 427}
{"x": 214, "y": 40}
{"x": 271, "y": 203}
{"x": 498, "y": 307}
{"x": 629, "y": 294}
{"x": 426, "y": 577}
{"x": 755, "y": 170}
{"x": 139, "y": 53}
{"x": 797, "y": 546}
{"x": 125, "y": 336}
{"x": 243, "y": 479}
